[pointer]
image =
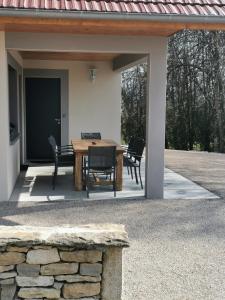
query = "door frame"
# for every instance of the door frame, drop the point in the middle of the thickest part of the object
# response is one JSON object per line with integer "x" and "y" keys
{"x": 63, "y": 75}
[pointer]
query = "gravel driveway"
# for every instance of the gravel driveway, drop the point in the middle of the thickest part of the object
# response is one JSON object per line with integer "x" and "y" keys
{"x": 177, "y": 247}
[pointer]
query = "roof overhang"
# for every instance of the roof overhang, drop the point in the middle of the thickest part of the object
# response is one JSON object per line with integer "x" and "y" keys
{"x": 79, "y": 22}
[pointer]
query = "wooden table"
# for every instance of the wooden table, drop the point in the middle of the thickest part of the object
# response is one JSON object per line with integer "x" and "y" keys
{"x": 81, "y": 149}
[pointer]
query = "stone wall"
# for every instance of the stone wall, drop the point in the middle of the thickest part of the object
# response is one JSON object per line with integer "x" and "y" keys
{"x": 61, "y": 263}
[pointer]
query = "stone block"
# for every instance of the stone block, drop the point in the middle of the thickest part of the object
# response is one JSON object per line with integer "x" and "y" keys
{"x": 7, "y": 281}
{"x": 60, "y": 269}
{"x": 85, "y": 298}
{"x": 8, "y": 292}
{"x": 35, "y": 281}
{"x": 88, "y": 256}
{"x": 79, "y": 290}
{"x": 42, "y": 256}
{"x": 91, "y": 269}
{"x": 78, "y": 278}
{"x": 6, "y": 275}
{"x": 17, "y": 249}
{"x": 58, "y": 285}
{"x": 11, "y": 258}
{"x": 42, "y": 247}
{"x": 30, "y": 293}
{"x": 6, "y": 268}
{"x": 28, "y": 270}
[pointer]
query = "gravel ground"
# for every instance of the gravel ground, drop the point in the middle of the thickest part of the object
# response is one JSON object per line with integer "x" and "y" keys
{"x": 177, "y": 247}
{"x": 206, "y": 169}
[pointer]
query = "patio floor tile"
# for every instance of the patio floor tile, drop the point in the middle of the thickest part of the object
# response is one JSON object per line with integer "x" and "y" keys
{"x": 35, "y": 185}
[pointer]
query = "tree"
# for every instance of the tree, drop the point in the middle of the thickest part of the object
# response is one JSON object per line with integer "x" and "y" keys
{"x": 195, "y": 93}
{"x": 134, "y": 102}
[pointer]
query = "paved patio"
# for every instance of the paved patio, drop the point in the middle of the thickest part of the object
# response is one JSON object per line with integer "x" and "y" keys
{"x": 176, "y": 246}
{"x": 35, "y": 185}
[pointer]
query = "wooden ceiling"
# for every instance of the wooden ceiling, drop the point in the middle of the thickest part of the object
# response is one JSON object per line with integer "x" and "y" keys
{"x": 101, "y": 27}
{"x": 68, "y": 56}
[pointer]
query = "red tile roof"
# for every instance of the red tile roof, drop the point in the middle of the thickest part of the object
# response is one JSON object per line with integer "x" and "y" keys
{"x": 151, "y": 7}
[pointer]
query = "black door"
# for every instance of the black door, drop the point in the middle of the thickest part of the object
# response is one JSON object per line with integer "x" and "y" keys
{"x": 43, "y": 116}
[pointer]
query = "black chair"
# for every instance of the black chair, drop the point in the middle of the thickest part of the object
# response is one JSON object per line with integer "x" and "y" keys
{"x": 90, "y": 135}
{"x": 63, "y": 156}
{"x": 133, "y": 158}
{"x": 101, "y": 162}
{"x": 128, "y": 151}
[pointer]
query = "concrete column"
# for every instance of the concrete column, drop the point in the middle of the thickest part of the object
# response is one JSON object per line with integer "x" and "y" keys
{"x": 156, "y": 106}
{"x": 4, "y": 120}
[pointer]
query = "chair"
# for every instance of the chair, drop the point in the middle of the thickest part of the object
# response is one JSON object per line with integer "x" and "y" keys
{"x": 101, "y": 161}
{"x": 133, "y": 158}
{"x": 129, "y": 150}
{"x": 90, "y": 135}
{"x": 63, "y": 156}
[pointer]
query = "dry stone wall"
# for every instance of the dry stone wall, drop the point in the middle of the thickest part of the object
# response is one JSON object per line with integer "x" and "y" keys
{"x": 30, "y": 270}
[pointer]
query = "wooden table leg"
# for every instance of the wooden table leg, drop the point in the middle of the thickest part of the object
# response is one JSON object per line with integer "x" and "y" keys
{"x": 78, "y": 172}
{"x": 119, "y": 172}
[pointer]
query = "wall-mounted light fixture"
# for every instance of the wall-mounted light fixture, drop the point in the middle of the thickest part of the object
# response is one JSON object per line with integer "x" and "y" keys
{"x": 92, "y": 73}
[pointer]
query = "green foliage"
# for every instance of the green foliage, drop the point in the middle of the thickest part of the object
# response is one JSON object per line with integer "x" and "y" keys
{"x": 195, "y": 93}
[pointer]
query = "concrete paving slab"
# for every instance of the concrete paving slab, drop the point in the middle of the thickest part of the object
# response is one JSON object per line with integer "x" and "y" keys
{"x": 35, "y": 185}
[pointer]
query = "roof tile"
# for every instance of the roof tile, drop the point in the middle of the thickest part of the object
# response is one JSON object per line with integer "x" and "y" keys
{"x": 151, "y": 7}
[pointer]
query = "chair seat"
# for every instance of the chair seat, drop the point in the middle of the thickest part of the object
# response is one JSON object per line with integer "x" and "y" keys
{"x": 66, "y": 158}
{"x": 128, "y": 162}
{"x": 132, "y": 164}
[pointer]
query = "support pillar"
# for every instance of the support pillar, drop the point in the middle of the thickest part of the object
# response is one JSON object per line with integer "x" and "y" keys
{"x": 4, "y": 120}
{"x": 155, "y": 116}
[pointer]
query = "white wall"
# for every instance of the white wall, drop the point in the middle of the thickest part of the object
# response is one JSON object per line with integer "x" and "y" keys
{"x": 93, "y": 106}
{"x": 4, "y": 121}
{"x": 13, "y": 165}
{"x": 14, "y": 149}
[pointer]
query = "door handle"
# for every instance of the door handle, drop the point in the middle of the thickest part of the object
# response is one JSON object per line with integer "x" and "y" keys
{"x": 58, "y": 121}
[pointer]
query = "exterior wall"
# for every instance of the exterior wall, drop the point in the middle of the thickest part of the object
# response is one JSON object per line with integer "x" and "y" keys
{"x": 14, "y": 148}
{"x": 4, "y": 117}
{"x": 13, "y": 165}
{"x": 93, "y": 106}
{"x": 10, "y": 153}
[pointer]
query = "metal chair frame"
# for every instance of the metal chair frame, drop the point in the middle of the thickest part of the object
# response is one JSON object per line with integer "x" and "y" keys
{"x": 91, "y": 136}
{"x": 101, "y": 161}
{"x": 132, "y": 159}
{"x": 63, "y": 156}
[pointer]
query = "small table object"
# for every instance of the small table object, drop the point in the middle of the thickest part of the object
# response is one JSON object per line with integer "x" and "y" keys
{"x": 80, "y": 148}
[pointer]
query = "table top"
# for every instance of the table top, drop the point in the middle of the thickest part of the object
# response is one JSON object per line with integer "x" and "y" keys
{"x": 81, "y": 145}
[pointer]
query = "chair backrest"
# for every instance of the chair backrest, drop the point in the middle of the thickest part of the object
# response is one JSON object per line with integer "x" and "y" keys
{"x": 139, "y": 146}
{"x": 131, "y": 144}
{"x": 101, "y": 157}
{"x": 53, "y": 144}
{"x": 90, "y": 135}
